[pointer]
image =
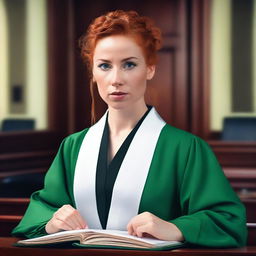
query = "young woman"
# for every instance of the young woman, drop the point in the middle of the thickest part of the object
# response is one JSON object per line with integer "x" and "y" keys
{"x": 130, "y": 170}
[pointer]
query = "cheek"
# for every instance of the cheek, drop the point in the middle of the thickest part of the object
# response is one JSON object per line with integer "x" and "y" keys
{"x": 102, "y": 92}
{"x": 100, "y": 77}
{"x": 99, "y": 80}
{"x": 139, "y": 79}
{"x": 95, "y": 75}
{"x": 101, "y": 89}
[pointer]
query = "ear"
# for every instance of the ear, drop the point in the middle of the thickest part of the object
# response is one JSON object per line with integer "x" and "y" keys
{"x": 151, "y": 72}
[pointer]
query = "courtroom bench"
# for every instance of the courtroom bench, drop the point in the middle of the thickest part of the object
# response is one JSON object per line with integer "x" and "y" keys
{"x": 11, "y": 212}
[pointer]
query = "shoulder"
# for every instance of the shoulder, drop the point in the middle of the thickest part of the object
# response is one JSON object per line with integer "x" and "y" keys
{"x": 74, "y": 140}
{"x": 77, "y": 136}
{"x": 180, "y": 138}
{"x": 175, "y": 134}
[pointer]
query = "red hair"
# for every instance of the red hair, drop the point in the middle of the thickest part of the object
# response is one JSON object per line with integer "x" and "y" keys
{"x": 119, "y": 22}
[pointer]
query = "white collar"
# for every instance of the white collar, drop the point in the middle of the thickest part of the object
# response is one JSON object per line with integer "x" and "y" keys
{"x": 127, "y": 189}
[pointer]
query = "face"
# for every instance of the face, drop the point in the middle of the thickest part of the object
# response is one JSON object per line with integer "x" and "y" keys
{"x": 120, "y": 71}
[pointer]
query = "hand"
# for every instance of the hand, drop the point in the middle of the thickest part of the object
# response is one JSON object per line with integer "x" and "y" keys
{"x": 66, "y": 218}
{"x": 147, "y": 223}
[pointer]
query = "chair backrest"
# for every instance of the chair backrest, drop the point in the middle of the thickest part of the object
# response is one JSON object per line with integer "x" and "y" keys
{"x": 21, "y": 185}
{"x": 12, "y": 124}
{"x": 239, "y": 129}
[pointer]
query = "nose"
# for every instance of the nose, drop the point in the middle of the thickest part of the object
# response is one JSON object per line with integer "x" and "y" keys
{"x": 116, "y": 79}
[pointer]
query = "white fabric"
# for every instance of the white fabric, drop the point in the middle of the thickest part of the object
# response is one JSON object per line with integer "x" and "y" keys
{"x": 85, "y": 175}
{"x": 130, "y": 180}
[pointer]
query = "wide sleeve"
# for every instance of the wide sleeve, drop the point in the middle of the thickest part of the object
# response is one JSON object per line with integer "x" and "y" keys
{"x": 212, "y": 214}
{"x": 57, "y": 192}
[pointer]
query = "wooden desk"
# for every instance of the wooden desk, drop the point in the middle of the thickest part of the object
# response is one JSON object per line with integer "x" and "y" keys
{"x": 7, "y": 248}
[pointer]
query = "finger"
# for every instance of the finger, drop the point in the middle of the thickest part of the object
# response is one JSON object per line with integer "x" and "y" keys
{"x": 55, "y": 225}
{"x": 136, "y": 221}
{"x": 129, "y": 228}
{"x": 73, "y": 217}
{"x": 141, "y": 230}
{"x": 61, "y": 225}
{"x": 132, "y": 225}
{"x": 63, "y": 215}
{"x": 142, "y": 218}
{"x": 133, "y": 222}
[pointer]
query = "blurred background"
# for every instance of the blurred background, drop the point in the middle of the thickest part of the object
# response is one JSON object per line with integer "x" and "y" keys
{"x": 24, "y": 60}
{"x": 205, "y": 84}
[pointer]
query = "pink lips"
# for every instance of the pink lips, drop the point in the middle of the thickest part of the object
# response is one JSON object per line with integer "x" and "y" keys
{"x": 118, "y": 95}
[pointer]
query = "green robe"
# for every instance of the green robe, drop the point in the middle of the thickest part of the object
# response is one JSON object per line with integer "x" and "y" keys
{"x": 185, "y": 185}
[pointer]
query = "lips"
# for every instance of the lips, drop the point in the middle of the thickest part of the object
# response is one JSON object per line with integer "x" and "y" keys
{"x": 118, "y": 93}
{"x": 118, "y": 96}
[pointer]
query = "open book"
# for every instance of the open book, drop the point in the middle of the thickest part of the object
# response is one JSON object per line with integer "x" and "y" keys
{"x": 102, "y": 238}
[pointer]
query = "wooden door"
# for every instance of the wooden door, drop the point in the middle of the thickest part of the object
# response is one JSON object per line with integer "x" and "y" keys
{"x": 168, "y": 91}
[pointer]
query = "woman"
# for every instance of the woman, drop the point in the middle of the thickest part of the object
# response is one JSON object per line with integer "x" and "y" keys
{"x": 131, "y": 170}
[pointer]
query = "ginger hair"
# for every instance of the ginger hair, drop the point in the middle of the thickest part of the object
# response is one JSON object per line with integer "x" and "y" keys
{"x": 119, "y": 22}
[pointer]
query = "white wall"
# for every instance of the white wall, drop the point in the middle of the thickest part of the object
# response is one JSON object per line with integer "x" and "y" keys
{"x": 220, "y": 68}
{"x": 220, "y": 64}
{"x": 4, "y": 96}
{"x": 36, "y": 63}
{"x": 254, "y": 53}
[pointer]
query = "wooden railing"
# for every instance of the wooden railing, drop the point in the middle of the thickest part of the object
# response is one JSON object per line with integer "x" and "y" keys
{"x": 11, "y": 212}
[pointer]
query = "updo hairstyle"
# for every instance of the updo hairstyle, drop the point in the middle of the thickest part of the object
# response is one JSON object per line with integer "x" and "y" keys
{"x": 120, "y": 22}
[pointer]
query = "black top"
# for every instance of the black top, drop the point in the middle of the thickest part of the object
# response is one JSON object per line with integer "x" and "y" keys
{"x": 106, "y": 173}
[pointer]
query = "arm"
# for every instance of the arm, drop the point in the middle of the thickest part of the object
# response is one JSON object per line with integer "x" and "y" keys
{"x": 212, "y": 213}
{"x": 57, "y": 192}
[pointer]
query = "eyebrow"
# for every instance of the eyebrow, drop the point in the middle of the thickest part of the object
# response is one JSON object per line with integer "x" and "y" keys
{"x": 129, "y": 58}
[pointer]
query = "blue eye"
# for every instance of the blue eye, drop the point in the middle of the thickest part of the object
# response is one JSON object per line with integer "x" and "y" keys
{"x": 104, "y": 66}
{"x": 129, "y": 65}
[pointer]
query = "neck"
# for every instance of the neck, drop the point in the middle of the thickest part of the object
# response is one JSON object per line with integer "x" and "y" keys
{"x": 125, "y": 119}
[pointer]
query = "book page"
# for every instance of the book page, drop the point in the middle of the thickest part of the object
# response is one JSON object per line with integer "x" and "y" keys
{"x": 97, "y": 236}
{"x": 148, "y": 240}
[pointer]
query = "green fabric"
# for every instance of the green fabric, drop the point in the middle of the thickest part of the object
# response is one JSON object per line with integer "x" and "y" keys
{"x": 58, "y": 189}
{"x": 185, "y": 186}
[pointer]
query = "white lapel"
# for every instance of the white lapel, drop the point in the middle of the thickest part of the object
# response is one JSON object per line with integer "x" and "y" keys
{"x": 130, "y": 180}
{"x": 133, "y": 172}
{"x": 85, "y": 174}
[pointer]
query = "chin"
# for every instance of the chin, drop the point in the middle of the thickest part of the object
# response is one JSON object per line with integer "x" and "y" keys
{"x": 119, "y": 105}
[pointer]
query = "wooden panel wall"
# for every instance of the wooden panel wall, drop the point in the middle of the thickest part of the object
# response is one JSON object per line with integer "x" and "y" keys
{"x": 169, "y": 87}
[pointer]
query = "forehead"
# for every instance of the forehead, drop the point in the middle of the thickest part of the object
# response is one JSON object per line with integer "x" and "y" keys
{"x": 117, "y": 46}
